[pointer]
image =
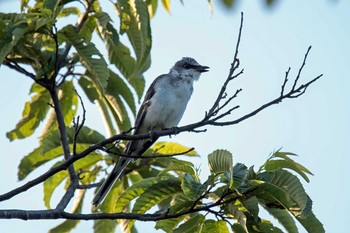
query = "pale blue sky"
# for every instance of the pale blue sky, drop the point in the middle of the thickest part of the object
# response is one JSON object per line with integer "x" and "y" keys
{"x": 315, "y": 126}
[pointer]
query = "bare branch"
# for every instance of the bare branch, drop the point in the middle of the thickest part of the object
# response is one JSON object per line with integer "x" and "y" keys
{"x": 234, "y": 66}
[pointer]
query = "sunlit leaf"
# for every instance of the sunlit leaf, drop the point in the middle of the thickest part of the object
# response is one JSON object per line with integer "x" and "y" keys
{"x": 152, "y": 7}
{"x": 170, "y": 148}
{"x": 166, "y": 5}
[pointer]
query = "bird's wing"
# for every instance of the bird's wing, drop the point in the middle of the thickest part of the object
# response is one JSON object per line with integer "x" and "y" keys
{"x": 140, "y": 117}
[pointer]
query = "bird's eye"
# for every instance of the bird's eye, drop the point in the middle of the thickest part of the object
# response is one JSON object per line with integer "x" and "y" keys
{"x": 187, "y": 66}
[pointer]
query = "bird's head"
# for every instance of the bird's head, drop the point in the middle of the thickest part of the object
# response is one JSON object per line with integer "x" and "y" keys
{"x": 187, "y": 67}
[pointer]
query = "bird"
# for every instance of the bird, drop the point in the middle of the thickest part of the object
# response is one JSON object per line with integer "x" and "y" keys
{"x": 162, "y": 108}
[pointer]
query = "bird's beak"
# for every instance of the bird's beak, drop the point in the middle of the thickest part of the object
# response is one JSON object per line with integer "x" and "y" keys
{"x": 201, "y": 69}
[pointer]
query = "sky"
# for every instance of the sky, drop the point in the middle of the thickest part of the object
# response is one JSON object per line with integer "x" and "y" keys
{"x": 314, "y": 126}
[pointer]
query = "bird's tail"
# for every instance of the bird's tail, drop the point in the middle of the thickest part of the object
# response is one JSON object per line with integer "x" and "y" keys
{"x": 111, "y": 179}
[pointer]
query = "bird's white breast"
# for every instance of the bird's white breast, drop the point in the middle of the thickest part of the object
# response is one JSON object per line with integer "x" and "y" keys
{"x": 169, "y": 102}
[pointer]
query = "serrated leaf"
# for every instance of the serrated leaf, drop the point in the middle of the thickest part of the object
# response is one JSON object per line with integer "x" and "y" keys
{"x": 34, "y": 112}
{"x": 90, "y": 57}
{"x": 284, "y": 188}
{"x": 194, "y": 224}
{"x": 311, "y": 223}
{"x": 118, "y": 53}
{"x": 155, "y": 193}
{"x": 135, "y": 22}
{"x": 191, "y": 187}
{"x": 220, "y": 161}
{"x": 134, "y": 191}
{"x": 152, "y": 195}
{"x": 170, "y": 148}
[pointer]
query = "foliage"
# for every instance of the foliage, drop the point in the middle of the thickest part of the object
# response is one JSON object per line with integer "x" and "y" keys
{"x": 62, "y": 59}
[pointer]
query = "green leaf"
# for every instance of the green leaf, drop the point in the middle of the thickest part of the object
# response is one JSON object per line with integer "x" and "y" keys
{"x": 168, "y": 225}
{"x": 34, "y": 159}
{"x": 105, "y": 226}
{"x": 69, "y": 225}
{"x": 135, "y": 22}
{"x": 232, "y": 211}
{"x": 155, "y": 193}
{"x": 289, "y": 163}
{"x": 134, "y": 191}
{"x": 117, "y": 98}
{"x": 12, "y": 34}
{"x": 152, "y": 7}
{"x": 67, "y": 11}
{"x": 193, "y": 224}
{"x": 239, "y": 172}
{"x": 191, "y": 187}
{"x": 283, "y": 188}
{"x": 117, "y": 86}
{"x": 179, "y": 203}
{"x": 68, "y": 101}
{"x": 90, "y": 57}
{"x": 118, "y": 53}
{"x": 149, "y": 194}
{"x": 51, "y": 183}
{"x": 86, "y": 136}
{"x": 34, "y": 112}
{"x": 220, "y": 161}
{"x": 170, "y": 148}
{"x": 311, "y": 223}
{"x": 212, "y": 226}
{"x": 284, "y": 218}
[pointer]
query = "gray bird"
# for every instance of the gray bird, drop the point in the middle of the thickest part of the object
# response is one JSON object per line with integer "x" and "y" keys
{"x": 163, "y": 107}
